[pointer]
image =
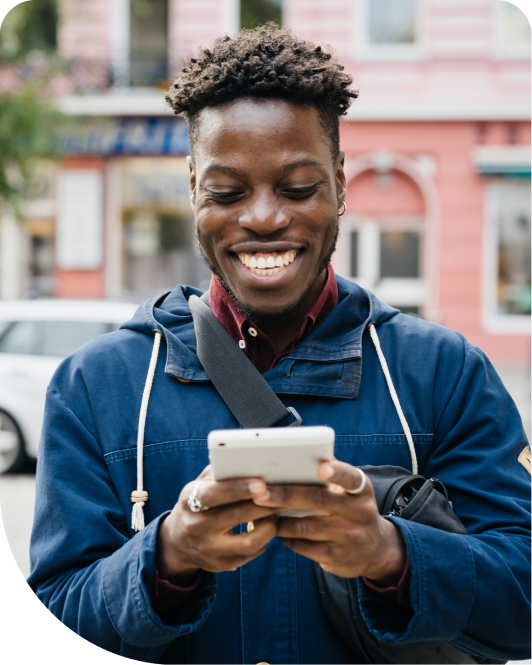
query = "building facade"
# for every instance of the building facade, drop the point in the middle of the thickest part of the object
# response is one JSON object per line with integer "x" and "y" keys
{"x": 437, "y": 158}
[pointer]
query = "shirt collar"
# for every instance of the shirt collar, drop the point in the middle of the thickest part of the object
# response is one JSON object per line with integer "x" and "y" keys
{"x": 256, "y": 344}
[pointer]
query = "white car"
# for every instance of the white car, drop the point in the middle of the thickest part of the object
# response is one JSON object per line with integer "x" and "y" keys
{"x": 35, "y": 335}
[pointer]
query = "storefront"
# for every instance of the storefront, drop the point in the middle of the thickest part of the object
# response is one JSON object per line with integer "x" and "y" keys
{"x": 111, "y": 219}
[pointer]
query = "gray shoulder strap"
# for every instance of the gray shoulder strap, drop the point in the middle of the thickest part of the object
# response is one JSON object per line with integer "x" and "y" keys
{"x": 241, "y": 386}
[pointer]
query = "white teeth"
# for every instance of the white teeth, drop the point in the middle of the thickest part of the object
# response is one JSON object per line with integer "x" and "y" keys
{"x": 269, "y": 265}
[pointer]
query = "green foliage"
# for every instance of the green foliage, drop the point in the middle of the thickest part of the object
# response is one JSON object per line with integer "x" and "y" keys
{"x": 258, "y": 12}
{"x": 28, "y": 130}
{"x": 29, "y": 124}
{"x": 30, "y": 26}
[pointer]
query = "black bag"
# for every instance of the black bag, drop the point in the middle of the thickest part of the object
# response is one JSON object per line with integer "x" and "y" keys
{"x": 397, "y": 491}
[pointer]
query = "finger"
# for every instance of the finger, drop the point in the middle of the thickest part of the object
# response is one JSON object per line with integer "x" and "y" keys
{"x": 304, "y": 497}
{"x": 212, "y": 493}
{"x": 346, "y": 476}
{"x": 248, "y": 545}
{"x": 325, "y": 529}
{"x": 206, "y": 473}
{"x": 317, "y": 551}
{"x": 225, "y": 518}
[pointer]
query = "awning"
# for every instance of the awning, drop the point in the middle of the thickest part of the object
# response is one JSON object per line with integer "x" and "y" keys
{"x": 502, "y": 160}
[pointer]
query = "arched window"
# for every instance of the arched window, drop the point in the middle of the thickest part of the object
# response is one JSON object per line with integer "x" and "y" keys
{"x": 383, "y": 236}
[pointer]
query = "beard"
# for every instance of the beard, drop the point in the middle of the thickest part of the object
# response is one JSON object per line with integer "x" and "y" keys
{"x": 262, "y": 319}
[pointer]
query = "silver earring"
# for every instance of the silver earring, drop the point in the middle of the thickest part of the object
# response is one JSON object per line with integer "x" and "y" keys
{"x": 344, "y": 210}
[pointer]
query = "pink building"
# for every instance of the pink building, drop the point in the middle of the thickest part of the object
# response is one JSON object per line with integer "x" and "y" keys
{"x": 437, "y": 145}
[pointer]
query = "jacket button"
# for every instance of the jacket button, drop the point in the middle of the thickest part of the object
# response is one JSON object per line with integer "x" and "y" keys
{"x": 252, "y": 332}
{"x": 242, "y": 344}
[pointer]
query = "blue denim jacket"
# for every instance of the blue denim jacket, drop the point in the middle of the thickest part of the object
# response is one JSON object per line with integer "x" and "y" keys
{"x": 95, "y": 574}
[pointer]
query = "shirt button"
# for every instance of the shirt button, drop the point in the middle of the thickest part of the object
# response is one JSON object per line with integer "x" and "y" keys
{"x": 242, "y": 344}
{"x": 252, "y": 332}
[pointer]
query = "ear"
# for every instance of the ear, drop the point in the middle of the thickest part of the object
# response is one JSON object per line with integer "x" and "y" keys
{"x": 341, "y": 184}
{"x": 192, "y": 184}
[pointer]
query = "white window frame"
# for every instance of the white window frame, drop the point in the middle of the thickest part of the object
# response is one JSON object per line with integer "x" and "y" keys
{"x": 120, "y": 38}
{"x": 396, "y": 291}
{"x": 365, "y": 50}
{"x": 504, "y": 51}
{"x": 493, "y": 321}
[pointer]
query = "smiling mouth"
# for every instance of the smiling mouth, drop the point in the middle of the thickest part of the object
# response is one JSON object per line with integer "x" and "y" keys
{"x": 267, "y": 263}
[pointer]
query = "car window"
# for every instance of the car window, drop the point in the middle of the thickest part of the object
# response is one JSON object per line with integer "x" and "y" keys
{"x": 61, "y": 338}
{"x": 50, "y": 338}
{"x": 21, "y": 337}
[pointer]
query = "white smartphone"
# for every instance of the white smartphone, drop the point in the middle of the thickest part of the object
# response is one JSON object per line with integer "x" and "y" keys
{"x": 278, "y": 455}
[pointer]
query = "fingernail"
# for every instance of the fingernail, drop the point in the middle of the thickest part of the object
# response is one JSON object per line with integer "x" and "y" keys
{"x": 255, "y": 486}
{"x": 328, "y": 471}
{"x": 264, "y": 497}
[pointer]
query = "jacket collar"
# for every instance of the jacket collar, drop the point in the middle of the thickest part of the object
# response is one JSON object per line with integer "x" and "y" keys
{"x": 337, "y": 339}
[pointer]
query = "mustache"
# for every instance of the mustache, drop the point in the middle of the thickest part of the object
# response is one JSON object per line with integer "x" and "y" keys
{"x": 272, "y": 237}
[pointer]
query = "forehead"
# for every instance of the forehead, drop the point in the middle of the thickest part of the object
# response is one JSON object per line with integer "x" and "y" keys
{"x": 262, "y": 127}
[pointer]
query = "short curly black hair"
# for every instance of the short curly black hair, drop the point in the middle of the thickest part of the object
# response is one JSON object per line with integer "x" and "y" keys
{"x": 267, "y": 62}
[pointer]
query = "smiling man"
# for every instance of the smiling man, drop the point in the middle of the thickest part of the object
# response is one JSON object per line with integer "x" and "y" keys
{"x": 267, "y": 188}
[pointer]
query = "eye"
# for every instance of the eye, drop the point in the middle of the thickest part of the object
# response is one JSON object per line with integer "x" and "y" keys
{"x": 301, "y": 192}
{"x": 224, "y": 196}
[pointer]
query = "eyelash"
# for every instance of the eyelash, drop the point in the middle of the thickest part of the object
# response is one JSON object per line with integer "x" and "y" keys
{"x": 231, "y": 195}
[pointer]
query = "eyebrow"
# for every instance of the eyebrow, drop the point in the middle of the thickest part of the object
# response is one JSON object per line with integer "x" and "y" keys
{"x": 231, "y": 170}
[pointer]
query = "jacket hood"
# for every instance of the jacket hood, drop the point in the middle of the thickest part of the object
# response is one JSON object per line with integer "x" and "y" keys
{"x": 337, "y": 338}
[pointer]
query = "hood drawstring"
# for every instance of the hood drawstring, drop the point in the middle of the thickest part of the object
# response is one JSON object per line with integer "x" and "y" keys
{"x": 395, "y": 399}
{"x": 139, "y": 497}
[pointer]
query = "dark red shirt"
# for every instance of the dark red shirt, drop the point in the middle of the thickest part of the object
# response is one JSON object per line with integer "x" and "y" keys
{"x": 167, "y": 598}
{"x": 258, "y": 347}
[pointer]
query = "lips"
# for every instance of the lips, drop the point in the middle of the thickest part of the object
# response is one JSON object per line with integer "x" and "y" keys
{"x": 267, "y": 263}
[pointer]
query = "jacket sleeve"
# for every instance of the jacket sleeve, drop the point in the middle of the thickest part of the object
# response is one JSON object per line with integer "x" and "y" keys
{"x": 470, "y": 591}
{"x": 84, "y": 567}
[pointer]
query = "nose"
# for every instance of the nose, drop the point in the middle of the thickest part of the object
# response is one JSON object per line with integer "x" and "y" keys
{"x": 264, "y": 215}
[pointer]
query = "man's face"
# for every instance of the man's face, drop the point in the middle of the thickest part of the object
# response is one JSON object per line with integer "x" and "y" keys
{"x": 266, "y": 193}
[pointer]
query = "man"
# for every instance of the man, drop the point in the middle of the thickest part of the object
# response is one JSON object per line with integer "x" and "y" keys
{"x": 267, "y": 187}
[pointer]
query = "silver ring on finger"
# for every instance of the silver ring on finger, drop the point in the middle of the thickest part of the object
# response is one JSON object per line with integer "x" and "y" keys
{"x": 363, "y": 478}
{"x": 194, "y": 503}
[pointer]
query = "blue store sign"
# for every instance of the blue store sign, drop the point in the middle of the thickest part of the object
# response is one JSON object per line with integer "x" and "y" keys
{"x": 128, "y": 136}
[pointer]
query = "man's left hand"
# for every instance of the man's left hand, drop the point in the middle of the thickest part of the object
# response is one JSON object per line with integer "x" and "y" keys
{"x": 348, "y": 538}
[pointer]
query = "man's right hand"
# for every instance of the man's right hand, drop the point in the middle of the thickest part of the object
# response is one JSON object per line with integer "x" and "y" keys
{"x": 188, "y": 542}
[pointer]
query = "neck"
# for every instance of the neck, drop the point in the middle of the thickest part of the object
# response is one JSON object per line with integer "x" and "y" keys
{"x": 283, "y": 332}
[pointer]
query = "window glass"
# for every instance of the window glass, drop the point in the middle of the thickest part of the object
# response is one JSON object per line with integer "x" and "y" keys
{"x": 20, "y": 338}
{"x": 514, "y": 28}
{"x": 354, "y": 254}
{"x": 392, "y": 21}
{"x": 4, "y": 325}
{"x": 61, "y": 338}
{"x": 410, "y": 310}
{"x": 149, "y": 42}
{"x": 399, "y": 254}
{"x": 513, "y": 252}
{"x": 258, "y": 12}
{"x": 50, "y": 338}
